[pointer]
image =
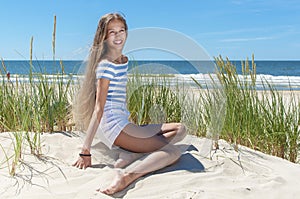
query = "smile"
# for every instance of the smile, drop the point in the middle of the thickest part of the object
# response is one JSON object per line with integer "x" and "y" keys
{"x": 118, "y": 42}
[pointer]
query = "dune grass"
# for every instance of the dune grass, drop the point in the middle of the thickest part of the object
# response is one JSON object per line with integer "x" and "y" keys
{"x": 230, "y": 108}
{"x": 33, "y": 104}
{"x": 262, "y": 120}
{"x": 153, "y": 99}
{"x": 38, "y": 105}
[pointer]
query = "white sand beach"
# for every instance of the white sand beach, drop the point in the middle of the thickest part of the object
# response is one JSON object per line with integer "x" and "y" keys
{"x": 199, "y": 173}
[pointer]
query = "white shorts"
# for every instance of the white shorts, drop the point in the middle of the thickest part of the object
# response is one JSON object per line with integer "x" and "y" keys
{"x": 113, "y": 121}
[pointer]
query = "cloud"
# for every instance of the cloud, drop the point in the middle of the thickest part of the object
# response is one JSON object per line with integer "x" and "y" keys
{"x": 277, "y": 28}
{"x": 246, "y": 39}
{"x": 81, "y": 50}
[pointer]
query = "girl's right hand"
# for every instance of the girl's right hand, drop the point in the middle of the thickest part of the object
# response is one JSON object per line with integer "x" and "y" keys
{"x": 83, "y": 161}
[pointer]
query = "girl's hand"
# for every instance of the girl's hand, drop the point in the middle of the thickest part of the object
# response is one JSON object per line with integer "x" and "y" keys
{"x": 83, "y": 161}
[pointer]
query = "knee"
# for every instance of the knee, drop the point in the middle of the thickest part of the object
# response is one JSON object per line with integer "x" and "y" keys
{"x": 181, "y": 130}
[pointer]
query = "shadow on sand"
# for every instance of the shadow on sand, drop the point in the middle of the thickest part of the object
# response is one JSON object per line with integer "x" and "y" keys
{"x": 187, "y": 162}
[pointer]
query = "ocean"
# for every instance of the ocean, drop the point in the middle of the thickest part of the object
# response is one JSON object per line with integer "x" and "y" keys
{"x": 283, "y": 74}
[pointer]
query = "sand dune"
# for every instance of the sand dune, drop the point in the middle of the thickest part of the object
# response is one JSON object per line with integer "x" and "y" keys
{"x": 199, "y": 173}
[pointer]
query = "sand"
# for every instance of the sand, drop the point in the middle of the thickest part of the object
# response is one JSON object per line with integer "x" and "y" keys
{"x": 199, "y": 173}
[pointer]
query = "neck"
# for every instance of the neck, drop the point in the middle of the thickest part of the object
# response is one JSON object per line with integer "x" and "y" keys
{"x": 114, "y": 55}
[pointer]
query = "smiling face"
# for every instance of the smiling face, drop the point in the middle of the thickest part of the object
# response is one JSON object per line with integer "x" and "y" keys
{"x": 116, "y": 35}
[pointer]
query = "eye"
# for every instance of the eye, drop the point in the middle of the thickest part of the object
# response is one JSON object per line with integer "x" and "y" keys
{"x": 122, "y": 31}
{"x": 111, "y": 32}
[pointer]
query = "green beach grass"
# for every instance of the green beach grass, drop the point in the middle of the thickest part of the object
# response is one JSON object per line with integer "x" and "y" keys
{"x": 39, "y": 104}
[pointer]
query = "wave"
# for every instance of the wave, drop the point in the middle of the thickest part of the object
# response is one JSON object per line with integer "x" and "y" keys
{"x": 206, "y": 80}
{"x": 262, "y": 80}
{"x": 14, "y": 78}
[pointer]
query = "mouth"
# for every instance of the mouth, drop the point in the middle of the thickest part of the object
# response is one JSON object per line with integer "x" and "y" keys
{"x": 118, "y": 42}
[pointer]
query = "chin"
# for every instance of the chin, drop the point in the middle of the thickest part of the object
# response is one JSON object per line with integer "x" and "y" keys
{"x": 119, "y": 47}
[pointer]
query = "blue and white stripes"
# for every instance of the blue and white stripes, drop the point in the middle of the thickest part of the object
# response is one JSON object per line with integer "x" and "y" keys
{"x": 115, "y": 115}
{"x": 117, "y": 74}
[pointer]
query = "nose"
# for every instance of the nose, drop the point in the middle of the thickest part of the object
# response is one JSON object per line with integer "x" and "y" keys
{"x": 121, "y": 32}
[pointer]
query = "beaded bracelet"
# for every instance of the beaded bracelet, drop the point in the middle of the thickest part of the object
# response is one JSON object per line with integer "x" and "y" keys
{"x": 85, "y": 155}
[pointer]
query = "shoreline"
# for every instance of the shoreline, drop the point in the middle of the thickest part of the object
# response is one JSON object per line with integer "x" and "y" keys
{"x": 280, "y": 83}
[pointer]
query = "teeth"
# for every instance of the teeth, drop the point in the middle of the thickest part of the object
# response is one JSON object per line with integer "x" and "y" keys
{"x": 118, "y": 41}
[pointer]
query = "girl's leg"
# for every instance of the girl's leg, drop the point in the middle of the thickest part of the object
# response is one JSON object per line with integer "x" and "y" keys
{"x": 126, "y": 158}
{"x": 163, "y": 154}
{"x": 173, "y": 132}
{"x": 168, "y": 130}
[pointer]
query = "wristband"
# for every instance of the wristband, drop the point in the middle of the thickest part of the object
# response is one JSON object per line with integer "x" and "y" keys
{"x": 85, "y": 155}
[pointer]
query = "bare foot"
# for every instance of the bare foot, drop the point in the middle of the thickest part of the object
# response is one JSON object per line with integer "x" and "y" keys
{"x": 126, "y": 158}
{"x": 120, "y": 182}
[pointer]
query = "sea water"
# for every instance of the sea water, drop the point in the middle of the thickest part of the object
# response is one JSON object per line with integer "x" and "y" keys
{"x": 284, "y": 75}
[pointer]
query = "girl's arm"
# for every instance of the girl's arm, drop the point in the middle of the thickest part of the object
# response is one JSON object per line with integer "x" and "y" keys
{"x": 102, "y": 90}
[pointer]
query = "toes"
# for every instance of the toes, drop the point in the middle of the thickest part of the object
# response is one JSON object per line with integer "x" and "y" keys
{"x": 106, "y": 191}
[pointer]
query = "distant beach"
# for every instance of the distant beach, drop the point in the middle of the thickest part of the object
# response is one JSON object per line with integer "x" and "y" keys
{"x": 284, "y": 75}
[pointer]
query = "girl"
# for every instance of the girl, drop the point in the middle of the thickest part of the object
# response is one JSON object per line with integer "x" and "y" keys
{"x": 101, "y": 109}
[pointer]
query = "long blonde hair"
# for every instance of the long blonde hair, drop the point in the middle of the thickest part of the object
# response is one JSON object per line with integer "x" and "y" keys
{"x": 84, "y": 103}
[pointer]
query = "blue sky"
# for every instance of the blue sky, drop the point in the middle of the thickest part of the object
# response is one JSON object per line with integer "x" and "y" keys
{"x": 231, "y": 28}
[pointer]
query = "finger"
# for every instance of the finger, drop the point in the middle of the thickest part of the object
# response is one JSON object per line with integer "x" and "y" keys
{"x": 78, "y": 165}
{"x": 74, "y": 164}
{"x": 85, "y": 166}
{"x": 81, "y": 166}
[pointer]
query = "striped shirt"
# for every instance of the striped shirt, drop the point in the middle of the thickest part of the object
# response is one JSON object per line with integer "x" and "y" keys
{"x": 117, "y": 74}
